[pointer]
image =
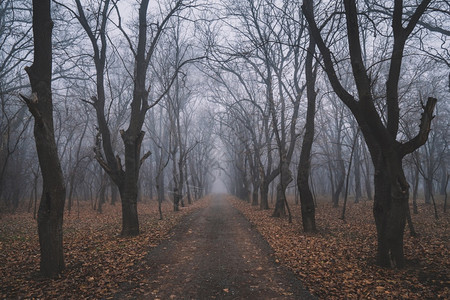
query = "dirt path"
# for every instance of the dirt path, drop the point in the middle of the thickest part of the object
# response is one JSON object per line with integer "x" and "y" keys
{"x": 215, "y": 254}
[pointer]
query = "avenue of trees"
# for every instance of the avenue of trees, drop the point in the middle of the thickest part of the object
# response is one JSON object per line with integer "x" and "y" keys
{"x": 125, "y": 101}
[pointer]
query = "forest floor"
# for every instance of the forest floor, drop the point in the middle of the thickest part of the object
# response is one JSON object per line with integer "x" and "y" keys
{"x": 210, "y": 250}
{"x": 338, "y": 262}
{"x": 216, "y": 254}
{"x": 99, "y": 262}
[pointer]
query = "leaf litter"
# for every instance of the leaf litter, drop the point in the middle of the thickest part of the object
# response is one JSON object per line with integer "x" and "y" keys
{"x": 99, "y": 262}
{"x": 339, "y": 260}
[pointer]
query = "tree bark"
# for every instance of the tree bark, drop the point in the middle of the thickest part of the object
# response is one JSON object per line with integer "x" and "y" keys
{"x": 264, "y": 192}
{"x": 415, "y": 189}
{"x": 304, "y": 167}
{"x": 389, "y": 210}
{"x": 285, "y": 179}
{"x": 51, "y": 207}
{"x": 255, "y": 192}
{"x": 339, "y": 175}
{"x": 357, "y": 167}
{"x": 129, "y": 188}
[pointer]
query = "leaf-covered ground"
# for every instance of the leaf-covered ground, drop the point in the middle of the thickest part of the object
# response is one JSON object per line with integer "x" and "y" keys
{"x": 339, "y": 261}
{"x": 99, "y": 263}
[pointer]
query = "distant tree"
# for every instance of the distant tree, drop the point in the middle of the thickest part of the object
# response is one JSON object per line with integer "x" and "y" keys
{"x": 16, "y": 46}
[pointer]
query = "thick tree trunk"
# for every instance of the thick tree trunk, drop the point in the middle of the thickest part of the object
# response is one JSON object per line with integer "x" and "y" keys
{"x": 176, "y": 199}
{"x": 306, "y": 201}
{"x": 390, "y": 211}
{"x": 129, "y": 188}
{"x": 280, "y": 207}
{"x": 367, "y": 177}
{"x": 368, "y": 187}
{"x": 113, "y": 193}
{"x": 50, "y": 221}
{"x": 285, "y": 179}
{"x": 304, "y": 167}
{"x": 264, "y": 192}
{"x": 51, "y": 208}
{"x": 130, "y": 222}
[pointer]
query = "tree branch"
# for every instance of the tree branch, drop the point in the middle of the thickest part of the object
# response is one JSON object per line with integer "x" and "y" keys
{"x": 345, "y": 96}
{"x": 425, "y": 127}
{"x": 146, "y": 155}
{"x": 31, "y": 103}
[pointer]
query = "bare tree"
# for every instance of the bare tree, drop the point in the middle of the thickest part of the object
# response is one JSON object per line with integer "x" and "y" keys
{"x": 40, "y": 104}
{"x": 304, "y": 166}
{"x": 392, "y": 189}
{"x": 125, "y": 175}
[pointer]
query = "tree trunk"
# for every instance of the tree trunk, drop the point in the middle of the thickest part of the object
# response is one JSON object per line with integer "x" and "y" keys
{"x": 176, "y": 200}
{"x": 390, "y": 209}
{"x": 443, "y": 181}
{"x": 129, "y": 188}
{"x": 367, "y": 177}
{"x": 415, "y": 190}
{"x": 340, "y": 177}
{"x": 188, "y": 191}
{"x": 150, "y": 181}
{"x": 445, "y": 193}
{"x": 412, "y": 231}
{"x": 428, "y": 187}
{"x": 304, "y": 166}
{"x": 160, "y": 186}
{"x": 130, "y": 222}
{"x": 35, "y": 199}
{"x": 264, "y": 191}
{"x": 113, "y": 193}
{"x": 285, "y": 179}
{"x": 306, "y": 197}
{"x": 255, "y": 194}
{"x": 51, "y": 208}
{"x": 280, "y": 207}
{"x": 102, "y": 191}
{"x": 348, "y": 175}
{"x": 369, "y": 189}
{"x": 357, "y": 167}
{"x": 71, "y": 188}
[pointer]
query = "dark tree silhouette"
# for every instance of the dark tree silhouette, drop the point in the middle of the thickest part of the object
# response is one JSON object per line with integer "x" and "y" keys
{"x": 391, "y": 187}
{"x": 304, "y": 166}
{"x": 40, "y": 104}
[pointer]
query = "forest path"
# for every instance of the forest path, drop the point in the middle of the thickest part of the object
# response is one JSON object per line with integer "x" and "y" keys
{"x": 216, "y": 254}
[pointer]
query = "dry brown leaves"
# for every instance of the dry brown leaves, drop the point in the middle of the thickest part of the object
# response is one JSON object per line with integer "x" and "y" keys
{"x": 339, "y": 261}
{"x": 99, "y": 262}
